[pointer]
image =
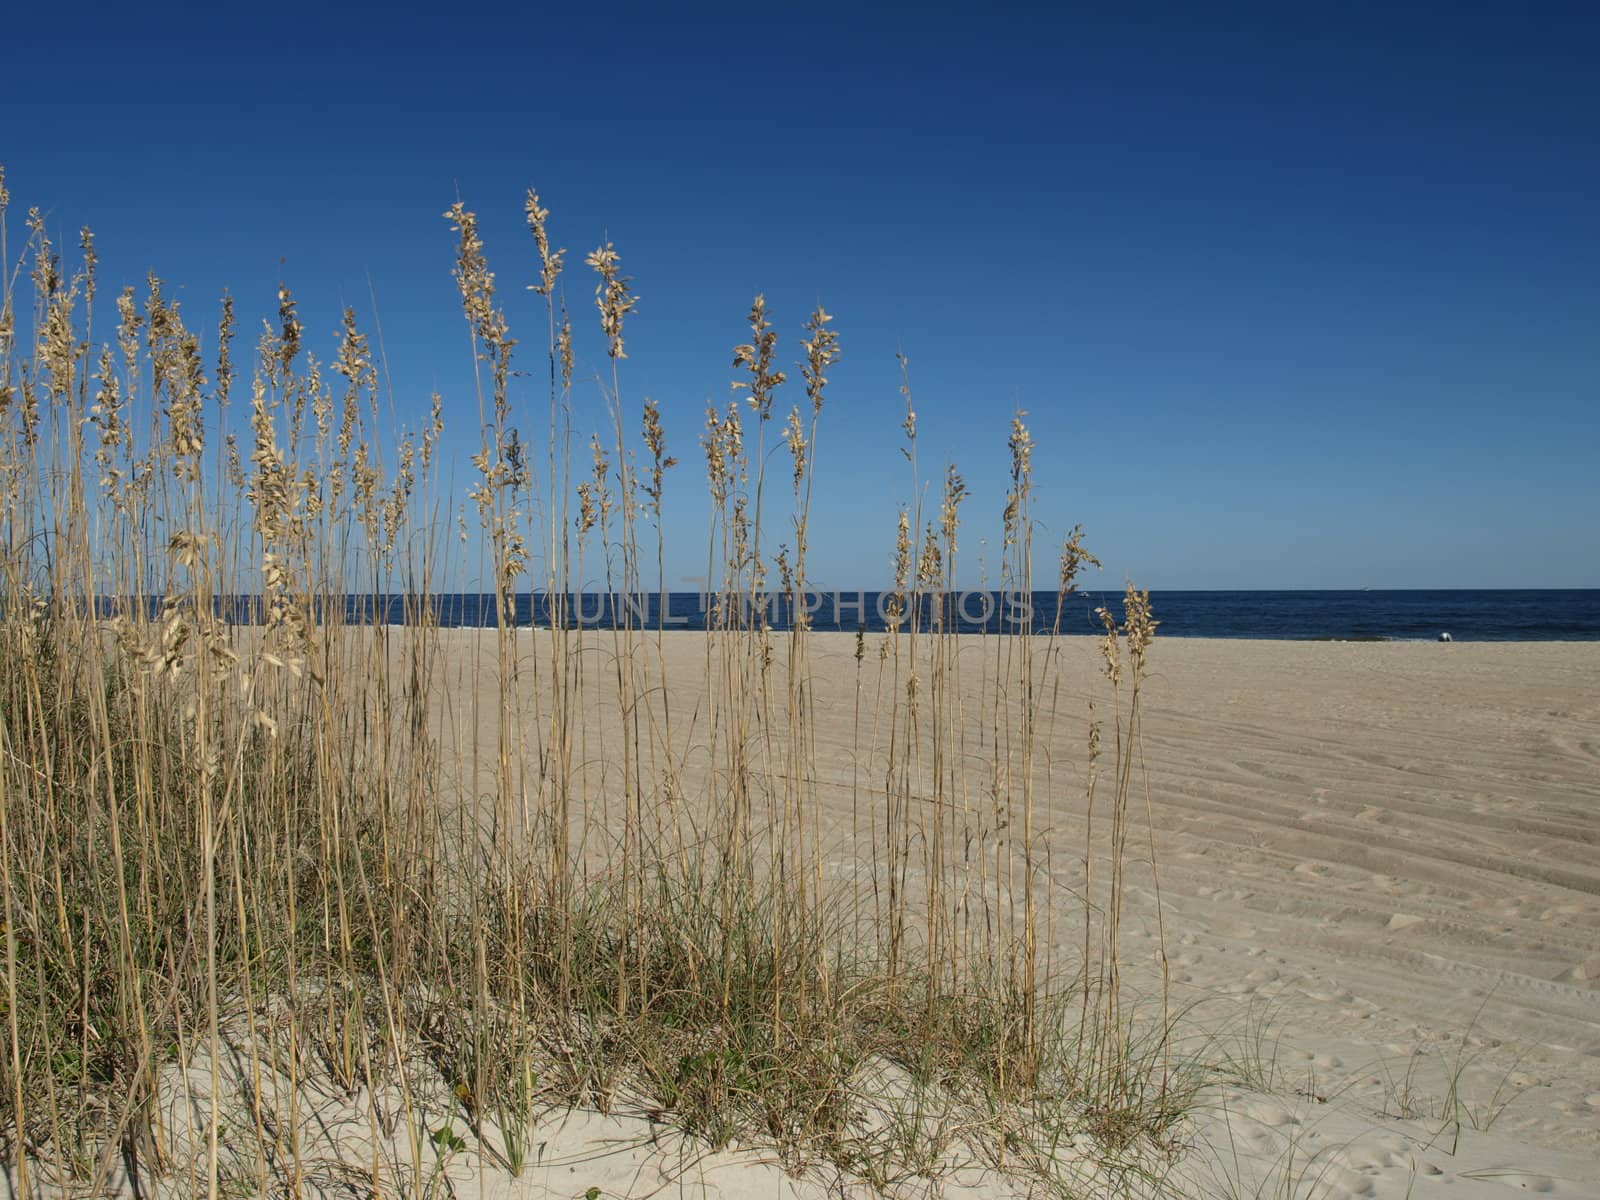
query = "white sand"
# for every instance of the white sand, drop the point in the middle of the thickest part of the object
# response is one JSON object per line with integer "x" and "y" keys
{"x": 1382, "y": 898}
{"x": 1382, "y": 888}
{"x": 1394, "y": 849}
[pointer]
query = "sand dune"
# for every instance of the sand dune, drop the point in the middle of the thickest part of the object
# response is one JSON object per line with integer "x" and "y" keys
{"x": 1381, "y": 885}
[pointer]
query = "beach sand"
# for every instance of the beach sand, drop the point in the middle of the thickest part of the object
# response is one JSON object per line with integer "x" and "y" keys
{"x": 1393, "y": 850}
{"x": 1380, "y": 871}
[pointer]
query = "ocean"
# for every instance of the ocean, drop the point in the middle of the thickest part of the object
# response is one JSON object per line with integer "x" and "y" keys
{"x": 1467, "y": 616}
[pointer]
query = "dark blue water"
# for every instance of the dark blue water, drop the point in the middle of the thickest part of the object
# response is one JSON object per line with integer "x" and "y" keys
{"x": 1533, "y": 615}
{"x": 1468, "y": 616}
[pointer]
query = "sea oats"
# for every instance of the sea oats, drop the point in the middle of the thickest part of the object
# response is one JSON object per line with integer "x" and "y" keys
{"x": 107, "y": 418}
{"x": 289, "y": 328}
{"x": 1110, "y": 647}
{"x": 660, "y": 461}
{"x": 225, "y": 333}
{"x": 795, "y": 437}
{"x": 756, "y": 356}
{"x": 564, "y": 341}
{"x": 238, "y": 852}
{"x": 955, "y": 491}
{"x": 90, "y": 259}
{"x": 895, "y": 604}
{"x": 930, "y": 563}
{"x": 1073, "y": 559}
{"x": 1021, "y": 446}
{"x": 821, "y": 345}
{"x": 908, "y": 423}
{"x": 613, "y": 296}
{"x": 1139, "y": 626}
{"x": 549, "y": 261}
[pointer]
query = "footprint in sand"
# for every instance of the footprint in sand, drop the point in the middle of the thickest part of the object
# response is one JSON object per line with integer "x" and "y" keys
{"x": 1268, "y": 1112}
{"x": 1527, "y": 1183}
{"x": 1325, "y": 1061}
{"x": 1342, "y": 1181}
{"x": 1338, "y": 996}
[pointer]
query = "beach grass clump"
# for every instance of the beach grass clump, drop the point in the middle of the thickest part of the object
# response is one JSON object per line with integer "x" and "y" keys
{"x": 256, "y": 861}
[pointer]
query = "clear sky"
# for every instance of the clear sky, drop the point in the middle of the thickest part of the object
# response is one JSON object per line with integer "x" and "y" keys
{"x": 1294, "y": 295}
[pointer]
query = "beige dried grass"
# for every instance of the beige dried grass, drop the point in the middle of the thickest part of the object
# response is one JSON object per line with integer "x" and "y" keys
{"x": 234, "y": 844}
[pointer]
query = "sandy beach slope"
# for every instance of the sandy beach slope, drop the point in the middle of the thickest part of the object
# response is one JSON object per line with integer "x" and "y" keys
{"x": 1392, "y": 853}
{"x": 1380, "y": 868}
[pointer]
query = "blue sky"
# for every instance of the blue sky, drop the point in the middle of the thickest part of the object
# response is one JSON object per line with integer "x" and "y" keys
{"x": 1294, "y": 296}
